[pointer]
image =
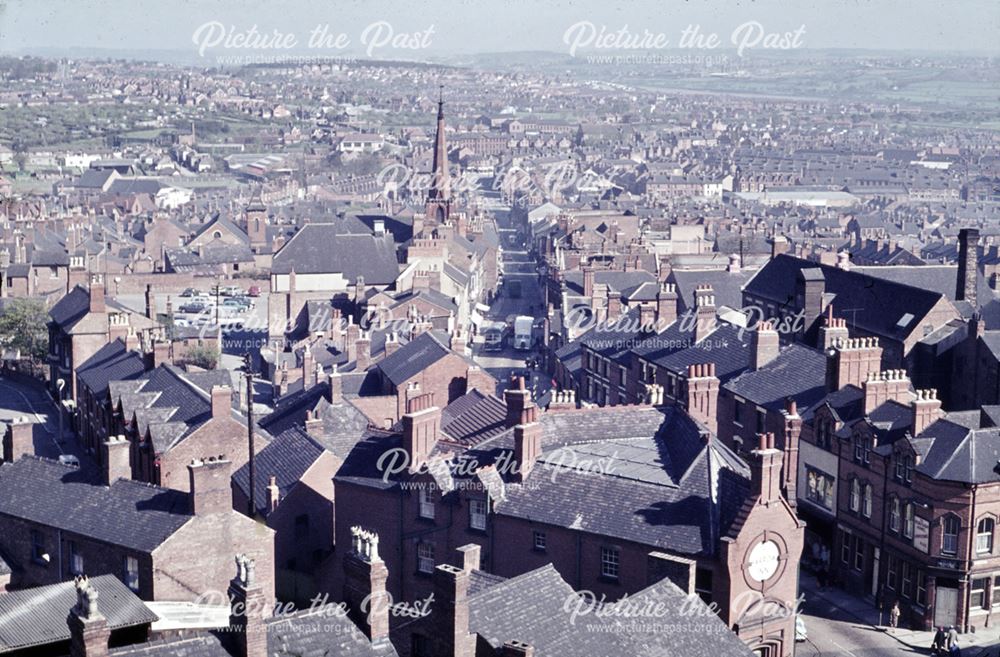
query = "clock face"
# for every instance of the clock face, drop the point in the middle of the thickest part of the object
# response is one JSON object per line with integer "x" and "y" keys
{"x": 763, "y": 561}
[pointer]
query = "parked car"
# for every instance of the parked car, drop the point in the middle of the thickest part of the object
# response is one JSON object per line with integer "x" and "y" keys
{"x": 235, "y": 303}
{"x": 190, "y": 292}
{"x": 193, "y": 308}
{"x": 254, "y": 291}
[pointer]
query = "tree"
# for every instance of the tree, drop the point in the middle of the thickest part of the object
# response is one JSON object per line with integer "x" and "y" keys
{"x": 201, "y": 356}
{"x": 24, "y": 327}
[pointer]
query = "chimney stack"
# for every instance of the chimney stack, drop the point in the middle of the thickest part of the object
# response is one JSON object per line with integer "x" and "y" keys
{"x": 335, "y": 384}
{"x": 391, "y": 344}
{"x": 451, "y": 613}
{"x": 734, "y": 263}
{"x": 765, "y": 345}
{"x": 790, "y": 465}
{"x": 88, "y": 628}
{"x": 517, "y": 398}
{"x": 810, "y": 288}
{"x": 211, "y": 491}
{"x": 365, "y": 576}
{"x": 703, "y": 395}
{"x": 222, "y": 401}
{"x": 469, "y": 557}
{"x": 833, "y": 331}
{"x": 517, "y": 649}
{"x": 588, "y": 281}
{"x": 96, "y": 295}
{"x": 421, "y": 426}
{"x": 844, "y": 261}
{"x": 926, "y": 410}
{"x": 765, "y": 470}
{"x": 308, "y": 368}
{"x": 614, "y": 304}
{"x": 363, "y": 350}
{"x": 273, "y": 494}
{"x": 881, "y": 387}
{"x": 150, "y": 302}
{"x": 968, "y": 265}
{"x": 527, "y": 442}
{"x": 249, "y": 609}
{"x": 562, "y": 400}
{"x": 851, "y": 362}
{"x": 704, "y": 301}
{"x": 18, "y": 440}
{"x": 117, "y": 464}
{"x": 666, "y": 306}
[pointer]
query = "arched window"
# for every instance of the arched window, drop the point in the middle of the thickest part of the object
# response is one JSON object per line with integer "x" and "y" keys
{"x": 855, "y": 495}
{"x": 949, "y": 534}
{"x": 866, "y": 509}
{"x": 894, "y": 514}
{"x": 984, "y": 536}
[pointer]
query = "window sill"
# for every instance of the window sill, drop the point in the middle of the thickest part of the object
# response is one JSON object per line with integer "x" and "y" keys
{"x": 607, "y": 579}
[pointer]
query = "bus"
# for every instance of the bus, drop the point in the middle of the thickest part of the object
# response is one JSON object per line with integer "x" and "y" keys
{"x": 522, "y": 332}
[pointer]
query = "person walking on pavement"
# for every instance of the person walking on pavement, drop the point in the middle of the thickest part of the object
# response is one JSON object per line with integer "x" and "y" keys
{"x": 953, "y": 649}
{"x": 894, "y": 615}
{"x": 940, "y": 644}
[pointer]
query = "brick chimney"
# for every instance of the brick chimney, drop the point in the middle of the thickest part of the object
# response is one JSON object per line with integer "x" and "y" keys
{"x": 421, "y": 426}
{"x": 765, "y": 345}
{"x": 968, "y": 265}
{"x": 391, "y": 344}
{"x": 457, "y": 342}
{"x": 335, "y": 387}
{"x": 647, "y": 318}
{"x": 851, "y": 362}
{"x": 666, "y": 305}
{"x": 810, "y": 287}
{"x": 614, "y": 304}
{"x": 313, "y": 423}
{"x": 517, "y": 649}
{"x": 833, "y": 331}
{"x": 365, "y": 576}
{"x": 117, "y": 464}
{"x": 222, "y": 401}
{"x": 844, "y": 260}
{"x": 97, "y": 295}
{"x": 273, "y": 494}
{"x": 517, "y": 398}
{"x": 779, "y": 245}
{"x": 703, "y": 395}
{"x": 211, "y": 491}
{"x": 150, "y": 302}
{"x": 308, "y": 368}
{"x": 562, "y": 400}
{"x": 793, "y": 430}
{"x": 248, "y": 611}
{"x": 926, "y": 410}
{"x": 18, "y": 440}
{"x": 351, "y": 335}
{"x": 527, "y": 442}
{"x": 451, "y": 613}
{"x": 704, "y": 302}
{"x": 765, "y": 470}
{"x": 88, "y": 628}
{"x": 881, "y": 387}
{"x": 363, "y": 349}
{"x": 469, "y": 557}
{"x": 734, "y": 263}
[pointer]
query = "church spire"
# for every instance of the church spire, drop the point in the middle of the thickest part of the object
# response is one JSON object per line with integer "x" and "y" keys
{"x": 439, "y": 194}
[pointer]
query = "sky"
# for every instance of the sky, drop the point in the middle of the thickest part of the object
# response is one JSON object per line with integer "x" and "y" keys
{"x": 434, "y": 28}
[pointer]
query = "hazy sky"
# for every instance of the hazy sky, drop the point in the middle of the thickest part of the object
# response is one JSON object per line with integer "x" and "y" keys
{"x": 466, "y": 26}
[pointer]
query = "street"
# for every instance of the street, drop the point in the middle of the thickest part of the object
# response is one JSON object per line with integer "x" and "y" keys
{"x": 834, "y": 633}
{"x": 517, "y": 266}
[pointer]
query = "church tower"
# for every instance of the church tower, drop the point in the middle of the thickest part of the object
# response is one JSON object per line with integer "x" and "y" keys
{"x": 256, "y": 218}
{"x": 438, "y": 208}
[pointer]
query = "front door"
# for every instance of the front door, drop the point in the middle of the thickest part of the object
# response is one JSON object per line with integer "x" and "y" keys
{"x": 945, "y": 606}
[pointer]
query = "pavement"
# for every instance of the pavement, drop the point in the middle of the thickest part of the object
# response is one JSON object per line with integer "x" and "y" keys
{"x": 974, "y": 644}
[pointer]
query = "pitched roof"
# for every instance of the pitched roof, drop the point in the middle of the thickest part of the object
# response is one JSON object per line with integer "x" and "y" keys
{"x": 127, "y": 513}
{"x": 412, "y": 358}
{"x": 324, "y": 248}
{"x": 286, "y": 458}
{"x": 797, "y": 372}
{"x": 112, "y": 362}
{"x": 37, "y": 616}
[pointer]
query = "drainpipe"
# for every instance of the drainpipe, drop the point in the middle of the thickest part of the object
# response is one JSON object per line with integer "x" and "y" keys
{"x": 969, "y": 560}
{"x": 59, "y": 552}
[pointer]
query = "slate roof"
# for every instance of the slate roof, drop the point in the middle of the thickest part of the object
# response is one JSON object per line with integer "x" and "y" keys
{"x": 728, "y": 347}
{"x": 323, "y": 248}
{"x": 71, "y": 307}
{"x": 876, "y": 306}
{"x": 615, "y": 280}
{"x": 473, "y": 417}
{"x": 414, "y": 357}
{"x": 128, "y": 513}
{"x": 957, "y": 453}
{"x": 343, "y": 423}
{"x": 286, "y": 458}
{"x": 726, "y": 286}
{"x": 797, "y": 371}
{"x": 318, "y": 633}
{"x": 37, "y": 616}
{"x": 112, "y": 362}
{"x": 532, "y": 608}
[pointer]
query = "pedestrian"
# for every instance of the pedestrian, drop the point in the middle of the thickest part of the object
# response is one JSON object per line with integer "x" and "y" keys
{"x": 953, "y": 649}
{"x": 894, "y": 615}
{"x": 939, "y": 645}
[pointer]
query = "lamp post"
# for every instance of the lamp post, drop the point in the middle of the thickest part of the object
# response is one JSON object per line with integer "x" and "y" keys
{"x": 248, "y": 373}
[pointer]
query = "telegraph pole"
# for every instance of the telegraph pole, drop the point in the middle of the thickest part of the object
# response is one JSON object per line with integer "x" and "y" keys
{"x": 248, "y": 373}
